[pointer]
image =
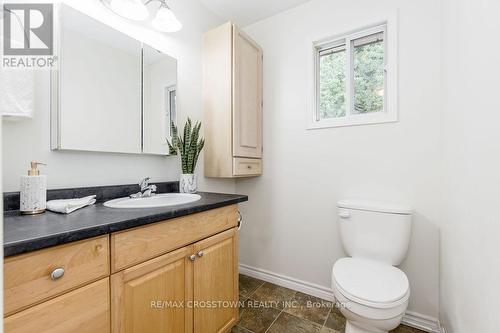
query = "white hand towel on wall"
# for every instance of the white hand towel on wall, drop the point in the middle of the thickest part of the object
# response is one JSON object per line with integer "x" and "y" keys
{"x": 17, "y": 93}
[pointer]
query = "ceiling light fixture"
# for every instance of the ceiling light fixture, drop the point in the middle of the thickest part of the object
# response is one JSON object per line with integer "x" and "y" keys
{"x": 165, "y": 19}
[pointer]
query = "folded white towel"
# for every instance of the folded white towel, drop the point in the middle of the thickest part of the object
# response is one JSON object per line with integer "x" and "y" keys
{"x": 67, "y": 206}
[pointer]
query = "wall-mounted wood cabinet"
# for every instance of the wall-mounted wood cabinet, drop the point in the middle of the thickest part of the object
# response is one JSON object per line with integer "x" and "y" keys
{"x": 232, "y": 103}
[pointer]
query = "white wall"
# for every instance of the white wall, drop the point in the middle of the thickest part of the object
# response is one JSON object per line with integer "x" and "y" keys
{"x": 470, "y": 237}
{"x": 27, "y": 140}
{"x": 291, "y": 216}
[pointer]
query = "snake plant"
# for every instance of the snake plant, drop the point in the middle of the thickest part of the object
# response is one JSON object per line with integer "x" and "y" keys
{"x": 188, "y": 146}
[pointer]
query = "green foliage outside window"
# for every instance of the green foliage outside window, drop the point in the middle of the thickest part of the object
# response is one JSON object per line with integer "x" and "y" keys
{"x": 369, "y": 78}
{"x": 332, "y": 90}
{"x": 368, "y": 63}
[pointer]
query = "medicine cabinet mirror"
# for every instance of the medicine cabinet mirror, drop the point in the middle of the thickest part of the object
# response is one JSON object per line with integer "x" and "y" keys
{"x": 111, "y": 93}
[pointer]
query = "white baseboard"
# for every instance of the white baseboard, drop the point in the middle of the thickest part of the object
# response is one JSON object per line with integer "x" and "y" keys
{"x": 411, "y": 319}
{"x": 288, "y": 282}
{"x": 422, "y": 322}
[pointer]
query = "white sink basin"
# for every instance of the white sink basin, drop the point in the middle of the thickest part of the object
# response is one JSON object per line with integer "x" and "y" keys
{"x": 159, "y": 200}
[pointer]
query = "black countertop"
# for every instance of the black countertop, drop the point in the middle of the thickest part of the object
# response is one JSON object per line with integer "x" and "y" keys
{"x": 24, "y": 233}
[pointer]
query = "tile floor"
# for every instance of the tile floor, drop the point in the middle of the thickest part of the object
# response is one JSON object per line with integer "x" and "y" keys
{"x": 267, "y": 308}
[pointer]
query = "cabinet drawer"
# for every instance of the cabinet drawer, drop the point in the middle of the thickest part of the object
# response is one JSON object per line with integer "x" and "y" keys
{"x": 86, "y": 309}
{"x": 140, "y": 244}
{"x": 28, "y": 280}
{"x": 247, "y": 166}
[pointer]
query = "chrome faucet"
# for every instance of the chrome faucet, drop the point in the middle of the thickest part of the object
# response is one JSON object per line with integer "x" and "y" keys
{"x": 146, "y": 189}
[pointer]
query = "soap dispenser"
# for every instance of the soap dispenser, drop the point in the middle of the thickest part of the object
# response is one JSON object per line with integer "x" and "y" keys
{"x": 33, "y": 191}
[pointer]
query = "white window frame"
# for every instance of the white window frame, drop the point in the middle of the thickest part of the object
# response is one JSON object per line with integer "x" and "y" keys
{"x": 390, "y": 112}
{"x": 168, "y": 112}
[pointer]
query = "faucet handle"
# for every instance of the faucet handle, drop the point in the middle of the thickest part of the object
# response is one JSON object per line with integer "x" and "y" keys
{"x": 144, "y": 183}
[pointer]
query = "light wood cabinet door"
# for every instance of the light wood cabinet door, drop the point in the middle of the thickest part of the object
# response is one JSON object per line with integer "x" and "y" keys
{"x": 216, "y": 283}
{"x": 247, "y": 96}
{"x": 153, "y": 296}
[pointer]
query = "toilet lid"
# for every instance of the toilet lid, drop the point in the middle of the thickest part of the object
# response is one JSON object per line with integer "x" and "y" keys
{"x": 370, "y": 281}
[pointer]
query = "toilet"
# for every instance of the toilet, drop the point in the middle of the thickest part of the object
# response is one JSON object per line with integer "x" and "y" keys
{"x": 369, "y": 290}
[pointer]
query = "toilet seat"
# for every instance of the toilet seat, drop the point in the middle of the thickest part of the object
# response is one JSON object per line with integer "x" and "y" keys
{"x": 370, "y": 283}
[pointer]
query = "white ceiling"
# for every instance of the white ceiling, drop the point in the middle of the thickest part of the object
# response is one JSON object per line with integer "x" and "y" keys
{"x": 245, "y": 12}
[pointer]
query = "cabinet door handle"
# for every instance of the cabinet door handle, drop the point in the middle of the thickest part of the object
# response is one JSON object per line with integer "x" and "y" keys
{"x": 200, "y": 254}
{"x": 192, "y": 257}
{"x": 240, "y": 220}
{"x": 57, "y": 273}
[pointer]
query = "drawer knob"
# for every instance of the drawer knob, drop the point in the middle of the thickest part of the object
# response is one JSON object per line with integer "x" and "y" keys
{"x": 57, "y": 273}
{"x": 200, "y": 254}
{"x": 192, "y": 257}
{"x": 249, "y": 166}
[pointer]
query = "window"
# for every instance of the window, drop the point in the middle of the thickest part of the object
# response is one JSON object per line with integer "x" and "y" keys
{"x": 170, "y": 110}
{"x": 353, "y": 80}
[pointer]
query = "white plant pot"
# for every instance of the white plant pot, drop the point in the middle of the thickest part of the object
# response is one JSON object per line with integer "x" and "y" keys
{"x": 187, "y": 183}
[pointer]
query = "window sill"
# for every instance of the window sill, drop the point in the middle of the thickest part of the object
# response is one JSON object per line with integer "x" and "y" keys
{"x": 358, "y": 120}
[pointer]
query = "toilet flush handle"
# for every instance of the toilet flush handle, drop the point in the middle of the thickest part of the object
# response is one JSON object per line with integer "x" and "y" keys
{"x": 344, "y": 214}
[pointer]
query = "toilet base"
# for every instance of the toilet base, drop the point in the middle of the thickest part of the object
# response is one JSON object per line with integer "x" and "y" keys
{"x": 373, "y": 320}
{"x": 352, "y": 328}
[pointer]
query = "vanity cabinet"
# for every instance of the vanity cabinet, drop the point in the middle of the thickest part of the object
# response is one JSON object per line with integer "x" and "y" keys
{"x": 232, "y": 103}
{"x": 179, "y": 275}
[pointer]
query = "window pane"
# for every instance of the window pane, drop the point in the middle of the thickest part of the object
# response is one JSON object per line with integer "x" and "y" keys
{"x": 368, "y": 59}
{"x": 332, "y": 84}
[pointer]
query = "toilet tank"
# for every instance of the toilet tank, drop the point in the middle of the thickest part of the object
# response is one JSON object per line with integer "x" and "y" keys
{"x": 375, "y": 230}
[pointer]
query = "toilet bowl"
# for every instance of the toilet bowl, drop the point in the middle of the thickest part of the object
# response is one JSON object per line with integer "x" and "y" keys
{"x": 369, "y": 290}
{"x": 372, "y": 296}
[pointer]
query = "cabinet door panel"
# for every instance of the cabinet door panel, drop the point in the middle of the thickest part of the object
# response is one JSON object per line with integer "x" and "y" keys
{"x": 247, "y": 97}
{"x": 216, "y": 283}
{"x": 153, "y": 296}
